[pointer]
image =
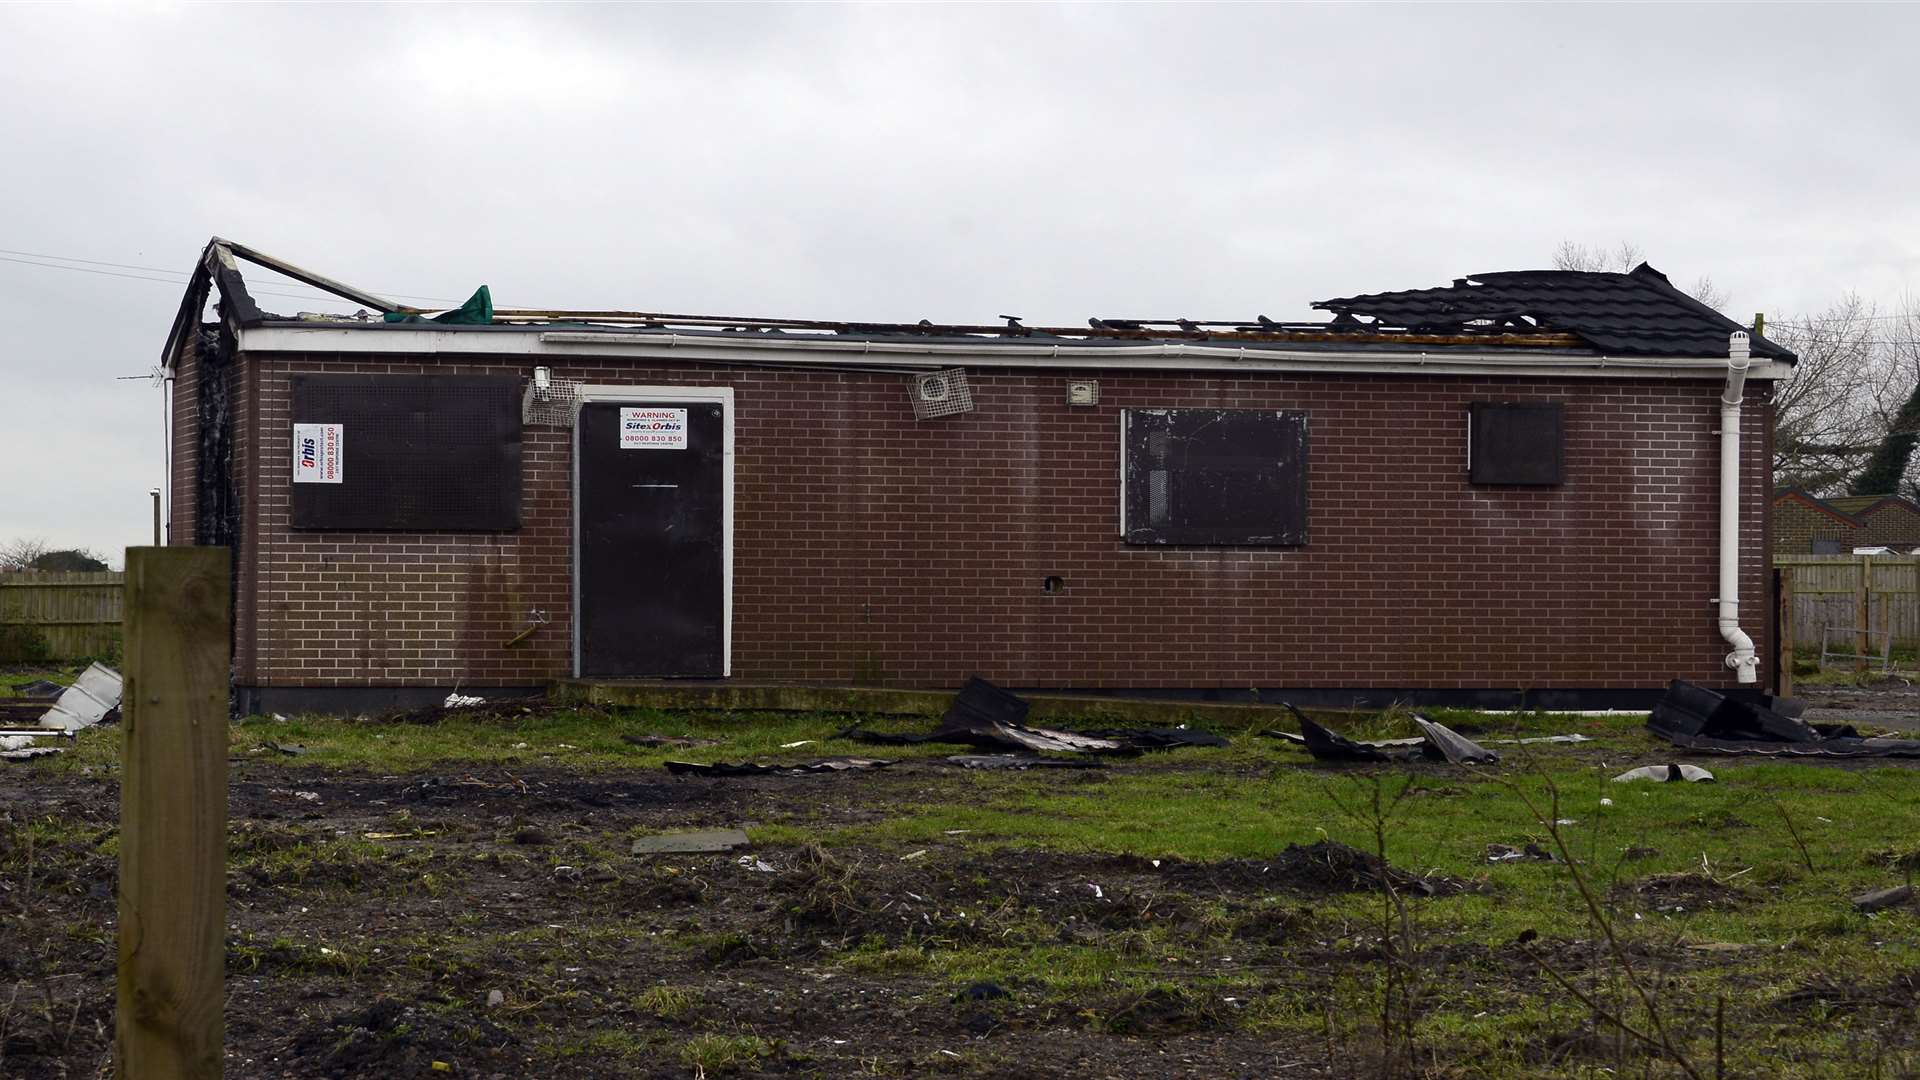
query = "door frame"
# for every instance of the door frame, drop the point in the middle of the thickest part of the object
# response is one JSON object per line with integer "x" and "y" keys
{"x": 603, "y": 394}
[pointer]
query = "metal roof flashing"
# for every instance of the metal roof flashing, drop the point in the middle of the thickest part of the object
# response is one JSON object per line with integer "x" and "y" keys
{"x": 895, "y": 351}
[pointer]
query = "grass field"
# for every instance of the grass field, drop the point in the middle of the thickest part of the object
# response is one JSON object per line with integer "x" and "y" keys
{"x": 1142, "y": 919}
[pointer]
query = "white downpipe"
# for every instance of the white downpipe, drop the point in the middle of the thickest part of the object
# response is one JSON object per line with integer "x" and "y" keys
{"x": 1742, "y": 659}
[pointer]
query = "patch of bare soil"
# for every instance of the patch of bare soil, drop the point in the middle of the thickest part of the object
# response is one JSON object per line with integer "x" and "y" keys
{"x": 492, "y": 923}
{"x": 1683, "y": 892}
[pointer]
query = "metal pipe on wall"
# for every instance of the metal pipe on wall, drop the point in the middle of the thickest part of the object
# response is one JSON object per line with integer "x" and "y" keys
{"x": 1743, "y": 660}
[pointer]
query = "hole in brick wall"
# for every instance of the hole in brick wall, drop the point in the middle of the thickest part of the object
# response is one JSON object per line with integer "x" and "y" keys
{"x": 1053, "y": 584}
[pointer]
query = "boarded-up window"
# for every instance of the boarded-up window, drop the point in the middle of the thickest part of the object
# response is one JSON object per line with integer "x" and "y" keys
{"x": 1509, "y": 443}
{"x": 1213, "y": 476}
{"x": 416, "y": 453}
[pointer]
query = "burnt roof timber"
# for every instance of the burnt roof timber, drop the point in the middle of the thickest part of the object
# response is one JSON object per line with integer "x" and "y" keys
{"x": 308, "y": 277}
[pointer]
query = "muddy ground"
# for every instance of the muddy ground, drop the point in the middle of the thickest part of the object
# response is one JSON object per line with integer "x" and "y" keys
{"x": 379, "y": 960}
{"x": 492, "y": 922}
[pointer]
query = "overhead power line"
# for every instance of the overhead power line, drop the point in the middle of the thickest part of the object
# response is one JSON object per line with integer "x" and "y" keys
{"x": 175, "y": 276}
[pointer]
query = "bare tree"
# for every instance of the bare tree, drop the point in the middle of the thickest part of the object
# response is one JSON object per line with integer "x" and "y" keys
{"x": 1841, "y": 399}
{"x": 1596, "y": 259}
{"x": 1621, "y": 260}
{"x": 1705, "y": 291}
{"x": 19, "y": 554}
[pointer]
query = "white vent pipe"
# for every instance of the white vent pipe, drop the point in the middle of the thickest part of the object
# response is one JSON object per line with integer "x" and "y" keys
{"x": 1742, "y": 659}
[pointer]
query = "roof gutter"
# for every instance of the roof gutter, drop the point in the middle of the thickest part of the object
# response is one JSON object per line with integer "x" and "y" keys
{"x": 562, "y": 345}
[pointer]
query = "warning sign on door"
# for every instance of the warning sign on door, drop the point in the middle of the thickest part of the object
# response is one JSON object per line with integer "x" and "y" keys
{"x": 317, "y": 449}
{"x": 649, "y": 428}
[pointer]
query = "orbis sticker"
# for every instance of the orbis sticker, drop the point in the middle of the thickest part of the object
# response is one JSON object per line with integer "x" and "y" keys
{"x": 317, "y": 451}
{"x": 648, "y": 428}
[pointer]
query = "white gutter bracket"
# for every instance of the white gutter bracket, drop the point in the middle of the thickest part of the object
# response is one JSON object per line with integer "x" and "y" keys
{"x": 1743, "y": 660}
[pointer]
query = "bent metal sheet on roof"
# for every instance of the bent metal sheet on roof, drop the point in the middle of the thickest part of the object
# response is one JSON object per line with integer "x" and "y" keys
{"x": 1534, "y": 322}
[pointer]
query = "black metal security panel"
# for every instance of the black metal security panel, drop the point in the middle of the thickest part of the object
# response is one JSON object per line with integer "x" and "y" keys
{"x": 1516, "y": 443}
{"x": 1214, "y": 476}
{"x": 417, "y": 453}
{"x": 652, "y": 506}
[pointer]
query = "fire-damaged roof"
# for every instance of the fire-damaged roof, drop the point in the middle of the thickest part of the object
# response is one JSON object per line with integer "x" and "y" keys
{"x": 1565, "y": 312}
{"x": 1637, "y": 313}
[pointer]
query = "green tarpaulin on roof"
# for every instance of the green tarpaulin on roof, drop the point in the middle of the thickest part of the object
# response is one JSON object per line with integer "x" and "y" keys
{"x": 477, "y": 311}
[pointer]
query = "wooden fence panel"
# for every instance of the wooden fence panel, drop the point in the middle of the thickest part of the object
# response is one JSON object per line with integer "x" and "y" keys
{"x": 1827, "y": 592}
{"x": 75, "y": 614}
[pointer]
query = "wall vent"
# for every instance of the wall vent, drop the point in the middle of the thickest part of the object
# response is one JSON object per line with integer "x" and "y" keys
{"x": 941, "y": 393}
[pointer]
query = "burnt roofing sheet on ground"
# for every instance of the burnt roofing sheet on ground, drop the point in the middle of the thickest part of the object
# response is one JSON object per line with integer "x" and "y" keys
{"x": 1638, "y": 313}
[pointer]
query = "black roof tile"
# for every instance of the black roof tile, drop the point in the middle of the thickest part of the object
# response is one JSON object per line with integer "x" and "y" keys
{"x": 1638, "y": 313}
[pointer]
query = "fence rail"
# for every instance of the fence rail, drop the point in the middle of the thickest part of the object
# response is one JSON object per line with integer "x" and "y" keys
{"x": 59, "y": 616}
{"x": 1877, "y": 594}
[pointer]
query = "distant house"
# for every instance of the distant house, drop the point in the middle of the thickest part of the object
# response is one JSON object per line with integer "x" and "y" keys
{"x": 1885, "y": 520}
{"x": 1805, "y": 524}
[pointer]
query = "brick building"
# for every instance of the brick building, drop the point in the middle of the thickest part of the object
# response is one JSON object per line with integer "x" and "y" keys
{"x": 1505, "y": 488}
{"x": 1805, "y": 524}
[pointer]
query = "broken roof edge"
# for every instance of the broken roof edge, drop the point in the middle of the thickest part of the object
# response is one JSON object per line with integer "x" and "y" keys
{"x": 217, "y": 268}
{"x": 1261, "y": 336}
{"x": 563, "y": 345}
{"x": 1504, "y": 309}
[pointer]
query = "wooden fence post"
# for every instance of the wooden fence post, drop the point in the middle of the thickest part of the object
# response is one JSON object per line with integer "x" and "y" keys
{"x": 173, "y": 816}
{"x": 1862, "y": 610}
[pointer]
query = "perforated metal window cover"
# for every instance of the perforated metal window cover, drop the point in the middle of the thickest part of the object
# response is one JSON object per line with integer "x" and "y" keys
{"x": 421, "y": 453}
{"x": 1214, "y": 476}
{"x": 1521, "y": 443}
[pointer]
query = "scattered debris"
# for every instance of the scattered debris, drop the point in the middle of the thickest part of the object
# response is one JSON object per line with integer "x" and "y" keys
{"x": 912, "y": 855}
{"x": 796, "y": 745}
{"x": 987, "y": 716}
{"x": 566, "y": 873}
{"x": 758, "y": 866}
{"x": 93, "y": 695}
{"x": 1881, "y": 899}
{"x": 289, "y": 749}
{"x": 1697, "y": 718}
{"x": 29, "y": 752}
{"x": 1498, "y": 853}
{"x": 458, "y": 700}
{"x": 1162, "y": 738}
{"x": 1019, "y": 761}
{"x": 495, "y": 999}
{"x": 706, "y": 840}
{"x": 654, "y": 742}
{"x": 1456, "y": 748}
{"x": 749, "y": 768}
{"x": 1326, "y": 745}
{"x": 1436, "y": 742}
{"x": 982, "y": 991}
{"x": 1666, "y": 774}
{"x": 39, "y": 688}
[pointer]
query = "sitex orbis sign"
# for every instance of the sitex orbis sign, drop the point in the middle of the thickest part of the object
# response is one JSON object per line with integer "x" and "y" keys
{"x": 649, "y": 428}
{"x": 317, "y": 450}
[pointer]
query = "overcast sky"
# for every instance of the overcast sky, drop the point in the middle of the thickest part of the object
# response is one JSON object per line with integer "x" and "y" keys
{"x": 892, "y": 162}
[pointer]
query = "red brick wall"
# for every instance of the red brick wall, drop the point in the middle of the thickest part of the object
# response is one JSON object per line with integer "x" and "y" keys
{"x": 1894, "y": 523}
{"x": 1796, "y": 526}
{"x": 872, "y": 547}
{"x": 183, "y": 486}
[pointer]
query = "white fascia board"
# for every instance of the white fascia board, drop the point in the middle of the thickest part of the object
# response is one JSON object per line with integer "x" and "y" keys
{"x": 1169, "y": 356}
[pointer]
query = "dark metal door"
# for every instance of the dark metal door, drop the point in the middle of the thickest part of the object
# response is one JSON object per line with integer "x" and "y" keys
{"x": 652, "y": 527}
